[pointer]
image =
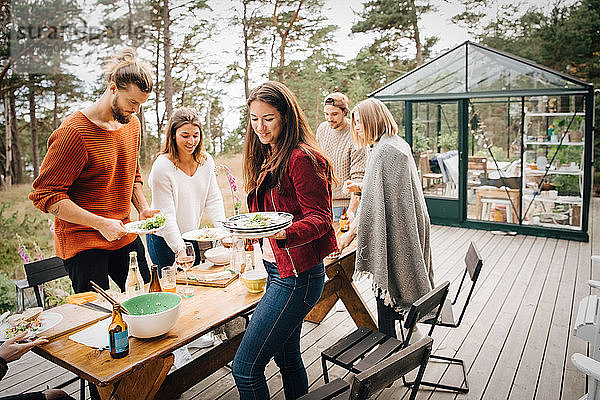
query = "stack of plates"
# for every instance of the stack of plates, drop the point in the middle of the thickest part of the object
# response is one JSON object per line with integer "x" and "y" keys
{"x": 258, "y": 225}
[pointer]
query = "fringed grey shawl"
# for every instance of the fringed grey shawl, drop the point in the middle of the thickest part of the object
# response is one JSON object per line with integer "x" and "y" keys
{"x": 393, "y": 230}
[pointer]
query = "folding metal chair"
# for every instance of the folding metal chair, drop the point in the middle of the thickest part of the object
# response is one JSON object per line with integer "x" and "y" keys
{"x": 379, "y": 376}
{"x": 363, "y": 348}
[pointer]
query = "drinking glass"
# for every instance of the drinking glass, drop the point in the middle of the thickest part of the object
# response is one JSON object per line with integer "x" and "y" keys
{"x": 185, "y": 260}
{"x": 169, "y": 278}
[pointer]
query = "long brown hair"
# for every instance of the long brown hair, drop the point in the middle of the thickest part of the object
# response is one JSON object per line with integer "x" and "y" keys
{"x": 259, "y": 159}
{"x": 180, "y": 117}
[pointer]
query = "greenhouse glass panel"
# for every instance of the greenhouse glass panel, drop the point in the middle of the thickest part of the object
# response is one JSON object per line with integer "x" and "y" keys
{"x": 443, "y": 75}
{"x": 491, "y": 71}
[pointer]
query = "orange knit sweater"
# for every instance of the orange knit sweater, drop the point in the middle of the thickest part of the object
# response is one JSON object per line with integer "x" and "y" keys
{"x": 94, "y": 168}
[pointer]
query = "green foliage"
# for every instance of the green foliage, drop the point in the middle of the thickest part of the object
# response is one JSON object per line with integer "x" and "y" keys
{"x": 8, "y": 299}
{"x": 448, "y": 140}
{"x": 30, "y": 229}
{"x": 567, "y": 185}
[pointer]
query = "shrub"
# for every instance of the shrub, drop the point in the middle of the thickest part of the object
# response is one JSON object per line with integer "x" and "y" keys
{"x": 8, "y": 298}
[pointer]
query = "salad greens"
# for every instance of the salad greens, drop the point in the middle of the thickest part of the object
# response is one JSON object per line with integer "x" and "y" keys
{"x": 258, "y": 220}
{"x": 153, "y": 223}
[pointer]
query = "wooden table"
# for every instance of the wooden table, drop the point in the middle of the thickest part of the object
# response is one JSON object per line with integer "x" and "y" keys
{"x": 143, "y": 373}
{"x": 340, "y": 286}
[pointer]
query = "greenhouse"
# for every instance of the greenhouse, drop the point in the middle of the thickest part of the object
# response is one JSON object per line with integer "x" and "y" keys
{"x": 500, "y": 142}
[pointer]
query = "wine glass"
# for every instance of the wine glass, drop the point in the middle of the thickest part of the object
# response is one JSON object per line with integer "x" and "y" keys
{"x": 185, "y": 259}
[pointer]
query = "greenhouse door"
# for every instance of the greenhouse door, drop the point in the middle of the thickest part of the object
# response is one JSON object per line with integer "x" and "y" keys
{"x": 433, "y": 130}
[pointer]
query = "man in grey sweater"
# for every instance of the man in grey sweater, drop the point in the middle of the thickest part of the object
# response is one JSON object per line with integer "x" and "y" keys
{"x": 334, "y": 138}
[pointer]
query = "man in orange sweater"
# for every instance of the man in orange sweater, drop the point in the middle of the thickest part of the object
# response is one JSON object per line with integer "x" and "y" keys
{"x": 90, "y": 176}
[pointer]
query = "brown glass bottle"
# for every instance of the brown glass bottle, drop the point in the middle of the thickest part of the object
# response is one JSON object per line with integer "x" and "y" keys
{"x": 248, "y": 263}
{"x": 344, "y": 222}
{"x": 154, "y": 280}
{"x": 118, "y": 336}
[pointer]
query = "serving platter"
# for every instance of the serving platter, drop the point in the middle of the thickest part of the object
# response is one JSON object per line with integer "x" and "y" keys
{"x": 205, "y": 234}
{"x": 47, "y": 319}
{"x": 136, "y": 227}
{"x": 257, "y": 221}
{"x": 207, "y": 275}
{"x": 259, "y": 234}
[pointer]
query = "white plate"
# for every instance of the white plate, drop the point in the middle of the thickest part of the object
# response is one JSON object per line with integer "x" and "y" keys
{"x": 134, "y": 227}
{"x": 48, "y": 321}
{"x": 259, "y": 235}
{"x": 240, "y": 222}
{"x": 197, "y": 234}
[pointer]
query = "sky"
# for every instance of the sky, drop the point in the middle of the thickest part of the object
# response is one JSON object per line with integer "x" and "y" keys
{"x": 343, "y": 13}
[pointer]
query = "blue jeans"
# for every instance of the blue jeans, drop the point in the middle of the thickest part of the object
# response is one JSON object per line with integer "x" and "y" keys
{"x": 274, "y": 331}
{"x": 160, "y": 252}
{"x": 162, "y": 255}
{"x": 337, "y": 213}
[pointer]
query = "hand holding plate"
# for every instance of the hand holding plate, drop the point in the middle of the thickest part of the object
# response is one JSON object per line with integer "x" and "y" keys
{"x": 11, "y": 350}
{"x": 111, "y": 229}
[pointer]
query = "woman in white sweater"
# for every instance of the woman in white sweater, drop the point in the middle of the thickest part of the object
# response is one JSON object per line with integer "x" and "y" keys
{"x": 184, "y": 185}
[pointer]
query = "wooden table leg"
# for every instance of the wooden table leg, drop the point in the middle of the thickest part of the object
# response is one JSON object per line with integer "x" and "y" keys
{"x": 356, "y": 306}
{"x": 340, "y": 285}
{"x": 328, "y": 299}
{"x": 142, "y": 383}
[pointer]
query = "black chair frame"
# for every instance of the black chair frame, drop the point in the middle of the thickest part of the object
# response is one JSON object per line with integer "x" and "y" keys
{"x": 359, "y": 345}
{"x": 379, "y": 376}
{"x": 474, "y": 263}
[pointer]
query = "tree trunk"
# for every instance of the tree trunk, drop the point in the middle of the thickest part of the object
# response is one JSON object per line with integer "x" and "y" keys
{"x": 7, "y": 181}
{"x": 55, "y": 108}
{"x": 17, "y": 161}
{"x": 143, "y": 135}
{"x": 167, "y": 59}
{"x": 33, "y": 130}
{"x": 245, "y": 29}
{"x": 416, "y": 35}
{"x": 157, "y": 90}
{"x": 130, "y": 35}
{"x": 283, "y": 35}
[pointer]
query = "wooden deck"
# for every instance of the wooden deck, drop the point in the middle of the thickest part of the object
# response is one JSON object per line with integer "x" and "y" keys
{"x": 516, "y": 338}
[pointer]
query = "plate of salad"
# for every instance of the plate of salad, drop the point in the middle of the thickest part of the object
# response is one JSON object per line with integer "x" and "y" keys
{"x": 148, "y": 225}
{"x": 35, "y": 326}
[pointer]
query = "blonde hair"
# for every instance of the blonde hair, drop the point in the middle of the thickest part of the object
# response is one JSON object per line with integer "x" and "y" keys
{"x": 180, "y": 117}
{"x": 375, "y": 121}
{"x": 125, "y": 68}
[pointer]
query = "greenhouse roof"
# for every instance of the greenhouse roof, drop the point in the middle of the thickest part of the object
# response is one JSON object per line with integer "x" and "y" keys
{"x": 471, "y": 70}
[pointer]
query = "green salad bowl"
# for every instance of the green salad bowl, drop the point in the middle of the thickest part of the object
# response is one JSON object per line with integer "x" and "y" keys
{"x": 152, "y": 314}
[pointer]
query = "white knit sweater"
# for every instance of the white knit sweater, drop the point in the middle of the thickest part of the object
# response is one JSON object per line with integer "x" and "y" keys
{"x": 183, "y": 198}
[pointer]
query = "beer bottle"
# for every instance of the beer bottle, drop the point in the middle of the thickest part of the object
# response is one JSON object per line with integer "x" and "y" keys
{"x": 344, "y": 222}
{"x": 154, "y": 280}
{"x": 134, "y": 284}
{"x": 248, "y": 256}
{"x": 118, "y": 336}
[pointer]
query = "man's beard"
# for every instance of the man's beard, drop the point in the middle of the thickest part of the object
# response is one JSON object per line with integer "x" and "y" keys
{"x": 336, "y": 125}
{"x": 118, "y": 115}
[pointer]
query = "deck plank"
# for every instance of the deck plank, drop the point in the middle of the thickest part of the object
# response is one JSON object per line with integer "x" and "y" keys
{"x": 516, "y": 337}
{"x": 527, "y": 378}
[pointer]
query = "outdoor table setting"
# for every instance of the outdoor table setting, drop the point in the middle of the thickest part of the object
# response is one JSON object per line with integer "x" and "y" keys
{"x": 78, "y": 339}
{"x": 143, "y": 372}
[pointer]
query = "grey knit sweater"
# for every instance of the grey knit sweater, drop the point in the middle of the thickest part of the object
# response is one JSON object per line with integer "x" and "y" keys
{"x": 348, "y": 161}
{"x": 393, "y": 231}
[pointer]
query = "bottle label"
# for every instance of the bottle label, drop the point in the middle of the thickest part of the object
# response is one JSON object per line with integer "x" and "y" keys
{"x": 121, "y": 341}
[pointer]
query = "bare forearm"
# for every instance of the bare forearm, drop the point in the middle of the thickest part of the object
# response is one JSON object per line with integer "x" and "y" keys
{"x": 110, "y": 229}
{"x": 68, "y": 211}
{"x": 354, "y": 200}
{"x": 138, "y": 199}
